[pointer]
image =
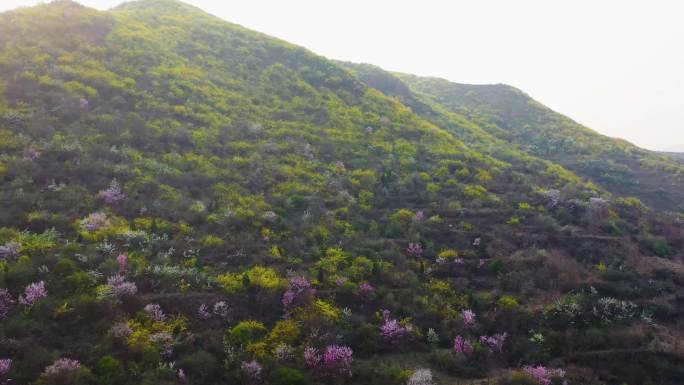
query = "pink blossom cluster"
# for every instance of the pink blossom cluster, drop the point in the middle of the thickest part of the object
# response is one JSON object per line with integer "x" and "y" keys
{"x": 10, "y": 250}
{"x": 468, "y": 318}
{"x": 542, "y": 374}
{"x": 495, "y": 342}
{"x": 112, "y": 194}
{"x": 299, "y": 291}
{"x": 312, "y": 358}
{"x": 155, "y": 312}
{"x": 392, "y": 330}
{"x": 300, "y": 285}
{"x": 6, "y": 303}
{"x": 288, "y": 299}
{"x": 462, "y": 346}
{"x": 415, "y": 249}
{"x": 62, "y": 366}
{"x": 336, "y": 361}
{"x": 33, "y": 293}
{"x": 5, "y": 366}
{"x": 366, "y": 289}
{"x": 119, "y": 287}
{"x": 122, "y": 260}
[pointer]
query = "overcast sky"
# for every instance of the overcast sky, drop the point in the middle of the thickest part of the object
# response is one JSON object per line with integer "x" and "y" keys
{"x": 616, "y": 66}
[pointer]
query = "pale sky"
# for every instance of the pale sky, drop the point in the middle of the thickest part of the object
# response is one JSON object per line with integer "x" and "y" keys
{"x": 616, "y": 66}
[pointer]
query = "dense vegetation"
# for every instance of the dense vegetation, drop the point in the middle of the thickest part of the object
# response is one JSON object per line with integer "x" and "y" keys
{"x": 183, "y": 200}
{"x": 510, "y": 115}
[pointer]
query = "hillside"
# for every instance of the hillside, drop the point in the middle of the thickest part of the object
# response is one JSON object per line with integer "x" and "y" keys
{"x": 511, "y": 115}
{"x": 183, "y": 200}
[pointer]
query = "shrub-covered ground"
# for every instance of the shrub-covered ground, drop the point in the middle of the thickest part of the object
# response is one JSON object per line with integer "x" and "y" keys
{"x": 183, "y": 200}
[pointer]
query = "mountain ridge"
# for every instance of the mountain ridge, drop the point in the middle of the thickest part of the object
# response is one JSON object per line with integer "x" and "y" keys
{"x": 551, "y": 136}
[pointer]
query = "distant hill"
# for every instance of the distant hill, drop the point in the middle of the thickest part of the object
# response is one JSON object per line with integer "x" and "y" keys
{"x": 677, "y": 155}
{"x": 510, "y": 115}
{"x": 186, "y": 201}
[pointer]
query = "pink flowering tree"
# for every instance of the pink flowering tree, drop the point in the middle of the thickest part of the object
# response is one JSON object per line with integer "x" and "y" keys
{"x": 494, "y": 342}
{"x": 155, "y": 312}
{"x": 415, "y": 250}
{"x": 63, "y": 371}
{"x": 543, "y": 375}
{"x": 122, "y": 260}
{"x": 394, "y": 331}
{"x": 334, "y": 363}
{"x": 33, "y": 293}
{"x": 299, "y": 292}
{"x": 462, "y": 346}
{"x": 112, "y": 194}
{"x": 312, "y": 357}
{"x": 366, "y": 290}
{"x": 468, "y": 317}
{"x": 337, "y": 360}
{"x": 118, "y": 288}
{"x": 10, "y": 250}
{"x": 5, "y": 366}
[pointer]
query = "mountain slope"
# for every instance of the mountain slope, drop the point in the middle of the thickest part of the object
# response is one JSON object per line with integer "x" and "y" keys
{"x": 206, "y": 204}
{"x": 511, "y": 115}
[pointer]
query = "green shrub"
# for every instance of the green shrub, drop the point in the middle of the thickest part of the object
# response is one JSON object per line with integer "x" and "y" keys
{"x": 200, "y": 366}
{"x": 659, "y": 246}
{"x": 110, "y": 371}
{"x": 288, "y": 376}
{"x": 518, "y": 378}
{"x": 247, "y": 331}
